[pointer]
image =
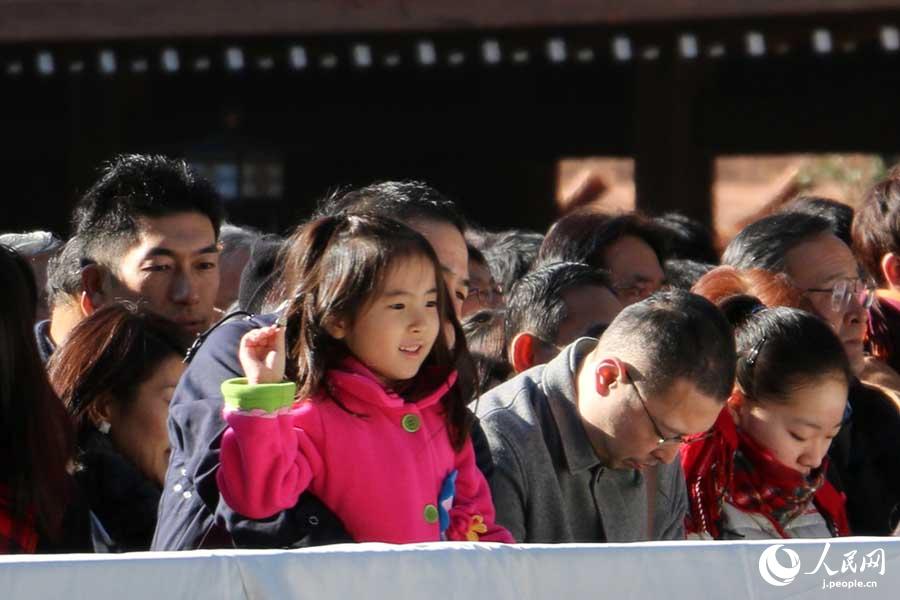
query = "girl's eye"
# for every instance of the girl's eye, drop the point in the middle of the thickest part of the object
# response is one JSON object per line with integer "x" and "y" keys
{"x": 797, "y": 437}
{"x": 397, "y": 306}
{"x": 431, "y": 304}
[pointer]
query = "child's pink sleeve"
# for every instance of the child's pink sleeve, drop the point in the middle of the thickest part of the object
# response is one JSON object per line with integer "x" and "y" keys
{"x": 267, "y": 457}
{"x": 472, "y": 516}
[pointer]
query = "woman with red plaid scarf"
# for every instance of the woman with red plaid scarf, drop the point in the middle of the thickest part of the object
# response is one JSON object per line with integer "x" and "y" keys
{"x": 760, "y": 472}
{"x": 35, "y": 434}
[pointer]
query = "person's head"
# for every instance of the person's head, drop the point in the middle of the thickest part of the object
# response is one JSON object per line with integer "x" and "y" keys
{"x": 483, "y": 290}
{"x": 36, "y": 441}
{"x": 683, "y": 273}
{"x": 370, "y": 287}
{"x": 151, "y": 226}
{"x": 628, "y": 246}
{"x": 553, "y": 306}
{"x": 64, "y": 288}
{"x": 792, "y": 381}
{"x": 422, "y": 208}
{"x": 117, "y": 372}
{"x": 37, "y": 247}
{"x": 661, "y": 371}
{"x": 838, "y": 214}
{"x": 510, "y": 254}
{"x": 686, "y": 238}
{"x": 237, "y": 243}
{"x": 876, "y": 233}
{"x": 818, "y": 263}
{"x": 484, "y": 337}
{"x": 259, "y": 274}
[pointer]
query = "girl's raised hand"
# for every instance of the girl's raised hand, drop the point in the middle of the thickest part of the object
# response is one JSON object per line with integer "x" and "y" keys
{"x": 262, "y": 355}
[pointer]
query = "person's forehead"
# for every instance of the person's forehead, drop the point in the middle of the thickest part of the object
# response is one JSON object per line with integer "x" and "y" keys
{"x": 182, "y": 233}
{"x": 448, "y": 244}
{"x": 479, "y": 273}
{"x": 632, "y": 254}
{"x": 819, "y": 260}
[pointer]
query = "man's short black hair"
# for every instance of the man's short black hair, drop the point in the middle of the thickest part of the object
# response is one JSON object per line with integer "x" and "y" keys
{"x": 840, "y": 215}
{"x": 535, "y": 304}
{"x": 585, "y": 234}
{"x": 675, "y": 335}
{"x": 510, "y": 254}
{"x": 764, "y": 244}
{"x": 687, "y": 238}
{"x": 683, "y": 274}
{"x": 132, "y": 186}
{"x": 64, "y": 273}
{"x": 405, "y": 201}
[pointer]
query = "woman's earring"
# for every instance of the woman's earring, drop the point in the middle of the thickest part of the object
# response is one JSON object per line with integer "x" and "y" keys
{"x": 103, "y": 427}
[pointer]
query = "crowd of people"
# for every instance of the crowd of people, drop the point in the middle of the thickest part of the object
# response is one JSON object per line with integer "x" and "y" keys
{"x": 392, "y": 372}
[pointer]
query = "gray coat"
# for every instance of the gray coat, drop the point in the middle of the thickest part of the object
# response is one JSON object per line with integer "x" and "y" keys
{"x": 548, "y": 484}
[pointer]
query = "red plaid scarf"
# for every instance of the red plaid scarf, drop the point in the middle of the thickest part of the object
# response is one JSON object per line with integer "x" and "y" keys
{"x": 729, "y": 465}
{"x": 17, "y": 535}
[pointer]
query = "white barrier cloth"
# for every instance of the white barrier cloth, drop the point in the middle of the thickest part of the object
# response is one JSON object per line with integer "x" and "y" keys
{"x": 864, "y": 568}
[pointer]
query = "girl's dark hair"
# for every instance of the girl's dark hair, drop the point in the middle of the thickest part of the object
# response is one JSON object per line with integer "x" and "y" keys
{"x": 109, "y": 355}
{"x": 36, "y": 441}
{"x": 331, "y": 268}
{"x": 781, "y": 349}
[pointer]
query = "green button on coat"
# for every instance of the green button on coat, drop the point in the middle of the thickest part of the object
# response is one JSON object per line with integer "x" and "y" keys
{"x": 431, "y": 513}
{"x": 411, "y": 423}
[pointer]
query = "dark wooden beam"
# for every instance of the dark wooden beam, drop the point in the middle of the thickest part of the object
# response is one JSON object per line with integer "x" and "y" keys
{"x": 86, "y": 20}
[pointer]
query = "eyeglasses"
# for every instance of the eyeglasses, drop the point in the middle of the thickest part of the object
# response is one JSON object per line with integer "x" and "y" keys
{"x": 846, "y": 289}
{"x": 488, "y": 296}
{"x": 663, "y": 441}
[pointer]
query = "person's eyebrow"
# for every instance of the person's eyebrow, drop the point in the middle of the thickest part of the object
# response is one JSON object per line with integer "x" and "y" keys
{"x": 816, "y": 426}
{"x": 161, "y": 251}
{"x": 396, "y": 293}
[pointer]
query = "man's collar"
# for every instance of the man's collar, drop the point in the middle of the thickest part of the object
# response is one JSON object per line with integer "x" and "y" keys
{"x": 560, "y": 385}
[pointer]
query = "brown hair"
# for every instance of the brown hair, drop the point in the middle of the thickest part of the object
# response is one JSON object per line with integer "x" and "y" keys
{"x": 876, "y": 227}
{"x": 109, "y": 354}
{"x": 36, "y": 442}
{"x": 330, "y": 269}
{"x": 772, "y": 289}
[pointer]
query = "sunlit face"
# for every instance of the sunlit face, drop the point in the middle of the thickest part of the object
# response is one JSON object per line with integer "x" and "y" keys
{"x": 395, "y": 331}
{"x": 819, "y": 263}
{"x": 800, "y": 431}
{"x": 450, "y": 247}
{"x": 138, "y": 429}
{"x": 634, "y": 267}
{"x": 623, "y": 433}
{"x": 173, "y": 268}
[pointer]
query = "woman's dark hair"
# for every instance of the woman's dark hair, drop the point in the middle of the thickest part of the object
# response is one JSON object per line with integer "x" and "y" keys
{"x": 764, "y": 244}
{"x": 781, "y": 349}
{"x": 36, "y": 442}
{"x": 583, "y": 236}
{"x": 876, "y": 229}
{"x": 108, "y": 355}
{"x": 331, "y": 268}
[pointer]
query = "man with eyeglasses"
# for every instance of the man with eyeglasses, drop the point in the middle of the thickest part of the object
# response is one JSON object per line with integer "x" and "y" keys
{"x": 585, "y": 446}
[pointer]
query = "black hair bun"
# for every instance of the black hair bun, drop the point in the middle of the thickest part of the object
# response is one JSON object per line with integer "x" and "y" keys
{"x": 739, "y": 308}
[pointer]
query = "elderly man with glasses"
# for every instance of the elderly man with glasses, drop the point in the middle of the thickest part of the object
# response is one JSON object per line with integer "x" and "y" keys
{"x": 585, "y": 446}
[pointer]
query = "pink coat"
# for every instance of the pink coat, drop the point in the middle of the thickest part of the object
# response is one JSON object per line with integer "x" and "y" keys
{"x": 381, "y": 473}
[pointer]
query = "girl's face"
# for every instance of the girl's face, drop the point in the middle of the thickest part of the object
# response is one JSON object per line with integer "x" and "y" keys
{"x": 396, "y": 329}
{"x": 800, "y": 431}
{"x": 138, "y": 429}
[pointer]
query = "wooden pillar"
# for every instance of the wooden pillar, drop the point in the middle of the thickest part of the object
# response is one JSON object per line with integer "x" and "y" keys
{"x": 673, "y": 165}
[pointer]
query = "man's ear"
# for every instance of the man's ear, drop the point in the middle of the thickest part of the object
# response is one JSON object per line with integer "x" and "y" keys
{"x": 521, "y": 352}
{"x": 735, "y": 404}
{"x": 608, "y": 373}
{"x": 890, "y": 269}
{"x": 94, "y": 293}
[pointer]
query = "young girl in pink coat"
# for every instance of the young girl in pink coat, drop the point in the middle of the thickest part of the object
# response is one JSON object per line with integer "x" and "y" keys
{"x": 380, "y": 432}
